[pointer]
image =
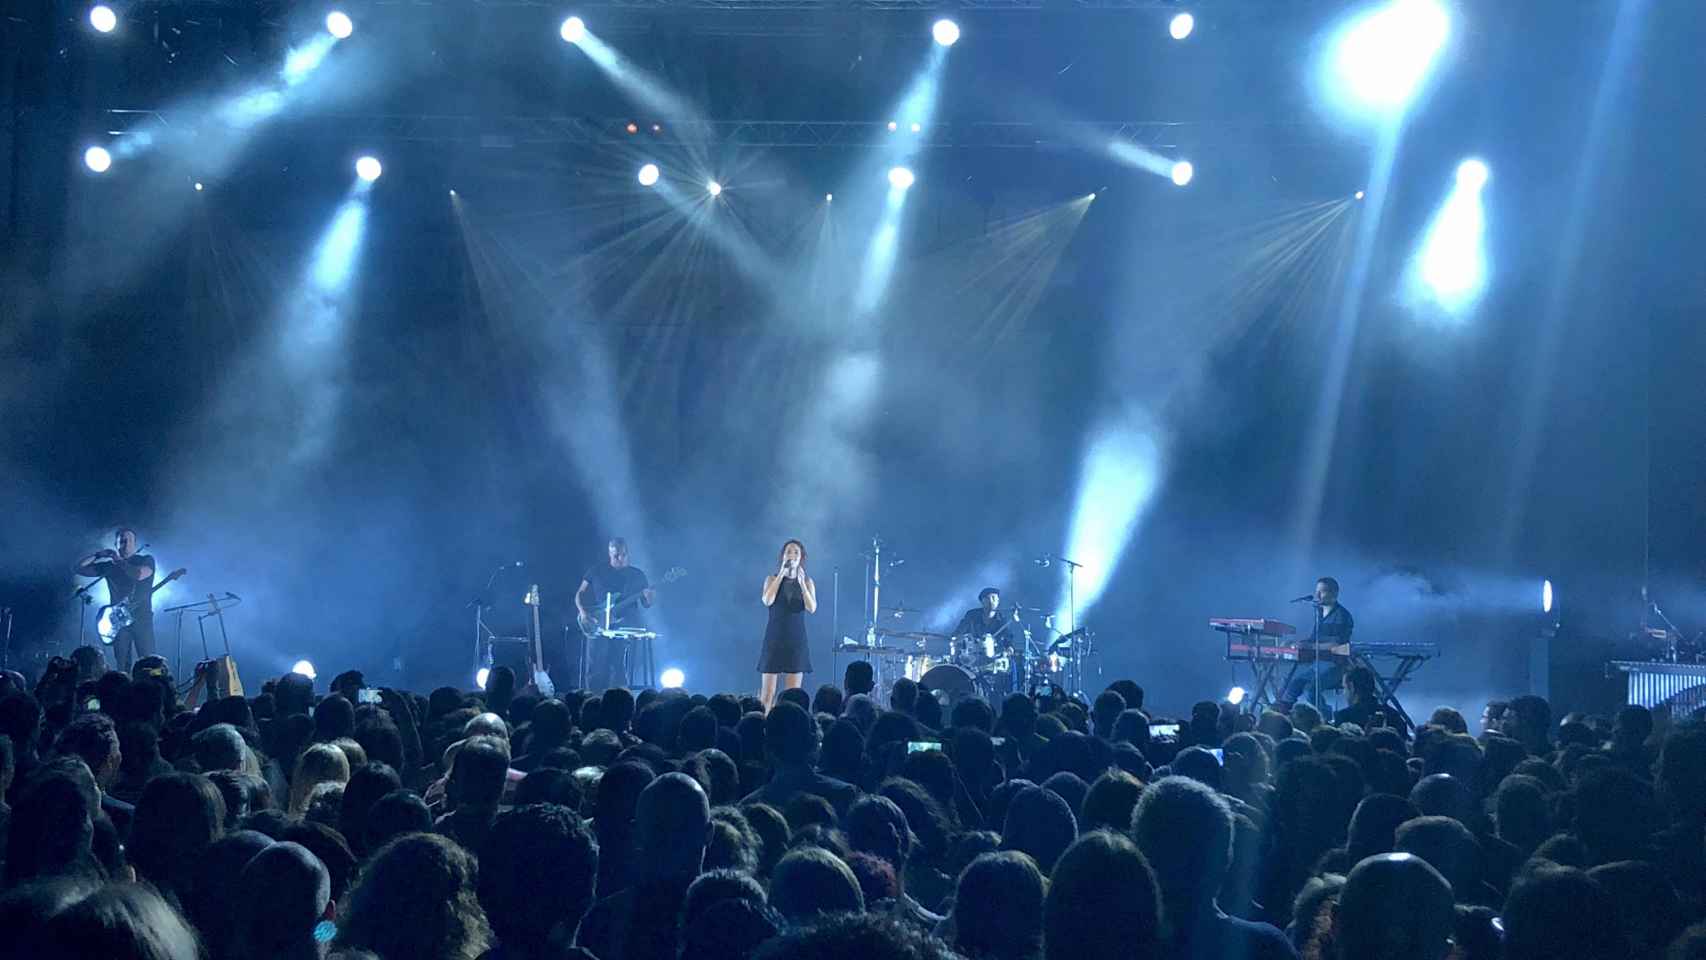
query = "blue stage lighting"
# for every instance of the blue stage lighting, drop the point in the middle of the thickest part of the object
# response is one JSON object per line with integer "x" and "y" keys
{"x": 368, "y": 168}
{"x": 1453, "y": 262}
{"x": 829, "y": 198}
{"x": 481, "y": 676}
{"x": 102, "y": 18}
{"x": 303, "y": 668}
{"x": 946, "y": 32}
{"x": 1236, "y": 695}
{"x": 339, "y": 25}
{"x": 198, "y": 187}
{"x": 649, "y": 175}
{"x": 573, "y": 30}
{"x": 1183, "y": 172}
{"x": 1359, "y": 194}
{"x": 1545, "y": 596}
{"x": 1380, "y": 59}
{"x": 714, "y": 188}
{"x": 901, "y": 178}
{"x": 1181, "y": 26}
{"x": 98, "y": 159}
{"x": 672, "y": 679}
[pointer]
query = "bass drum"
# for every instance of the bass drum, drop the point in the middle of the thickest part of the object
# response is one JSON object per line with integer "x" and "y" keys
{"x": 949, "y": 683}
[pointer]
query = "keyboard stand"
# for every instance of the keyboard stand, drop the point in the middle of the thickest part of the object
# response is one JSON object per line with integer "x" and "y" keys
{"x": 1408, "y": 664}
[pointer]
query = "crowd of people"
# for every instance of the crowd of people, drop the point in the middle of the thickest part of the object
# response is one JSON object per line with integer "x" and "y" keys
{"x": 356, "y": 822}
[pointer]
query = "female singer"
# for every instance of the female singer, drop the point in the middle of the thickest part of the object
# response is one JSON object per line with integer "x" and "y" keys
{"x": 790, "y": 594}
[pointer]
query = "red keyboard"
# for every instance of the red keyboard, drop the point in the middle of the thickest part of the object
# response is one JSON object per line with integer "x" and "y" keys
{"x": 1260, "y": 628}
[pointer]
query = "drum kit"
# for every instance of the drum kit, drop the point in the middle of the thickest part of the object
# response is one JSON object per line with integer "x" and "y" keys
{"x": 954, "y": 668}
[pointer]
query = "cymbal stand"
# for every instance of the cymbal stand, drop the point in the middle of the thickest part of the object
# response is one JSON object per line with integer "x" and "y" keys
{"x": 483, "y": 634}
{"x": 218, "y": 613}
{"x": 6, "y": 650}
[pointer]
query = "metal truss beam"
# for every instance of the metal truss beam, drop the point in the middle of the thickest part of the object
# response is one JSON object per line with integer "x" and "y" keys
{"x": 510, "y": 132}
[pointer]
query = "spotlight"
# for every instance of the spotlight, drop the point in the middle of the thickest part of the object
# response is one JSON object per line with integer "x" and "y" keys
{"x": 657, "y": 128}
{"x": 633, "y": 127}
{"x": 303, "y": 668}
{"x": 1359, "y": 194}
{"x": 1183, "y": 172}
{"x": 573, "y": 30}
{"x": 1381, "y": 59}
{"x": 917, "y": 128}
{"x": 1472, "y": 174}
{"x": 672, "y": 679}
{"x": 901, "y": 178}
{"x": 97, "y": 159}
{"x": 1545, "y": 596}
{"x": 829, "y": 198}
{"x": 946, "y": 32}
{"x": 893, "y": 126}
{"x": 714, "y": 188}
{"x": 453, "y": 191}
{"x": 480, "y": 677}
{"x": 648, "y": 175}
{"x": 1091, "y": 197}
{"x": 367, "y": 168}
{"x": 102, "y": 18}
{"x": 1182, "y": 26}
{"x": 339, "y": 25}
{"x": 198, "y": 186}
{"x": 1235, "y": 696}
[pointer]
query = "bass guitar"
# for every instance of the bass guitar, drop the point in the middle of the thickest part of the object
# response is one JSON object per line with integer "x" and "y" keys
{"x": 113, "y": 617}
{"x": 613, "y": 613}
{"x": 541, "y": 679}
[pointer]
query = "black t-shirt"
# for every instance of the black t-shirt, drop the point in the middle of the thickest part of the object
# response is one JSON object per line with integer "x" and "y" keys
{"x": 123, "y": 585}
{"x": 976, "y": 624}
{"x": 1336, "y": 627}
{"x": 604, "y": 578}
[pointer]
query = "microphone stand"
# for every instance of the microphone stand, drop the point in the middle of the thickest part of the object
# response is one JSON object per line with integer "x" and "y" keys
{"x": 479, "y": 605}
{"x": 81, "y": 594}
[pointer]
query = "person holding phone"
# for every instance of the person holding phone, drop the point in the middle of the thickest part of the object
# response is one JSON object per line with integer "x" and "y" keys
{"x": 790, "y": 594}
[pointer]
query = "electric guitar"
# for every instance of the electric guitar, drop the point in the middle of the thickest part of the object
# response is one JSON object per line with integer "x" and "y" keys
{"x": 594, "y": 622}
{"x": 541, "y": 679}
{"x": 113, "y": 617}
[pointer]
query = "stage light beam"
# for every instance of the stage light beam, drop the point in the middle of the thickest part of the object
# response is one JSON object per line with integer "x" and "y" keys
{"x": 1452, "y": 266}
{"x": 1181, "y": 26}
{"x": 102, "y": 18}
{"x": 1235, "y": 696}
{"x": 672, "y": 679}
{"x": 368, "y": 169}
{"x": 1545, "y": 596}
{"x": 901, "y": 178}
{"x": 339, "y": 25}
{"x": 481, "y": 676}
{"x": 649, "y": 175}
{"x": 946, "y": 32}
{"x": 714, "y": 188}
{"x": 573, "y": 30}
{"x": 98, "y": 159}
{"x": 1182, "y": 173}
{"x": 1121, "y": 473}
{"x": 303, "y": 668}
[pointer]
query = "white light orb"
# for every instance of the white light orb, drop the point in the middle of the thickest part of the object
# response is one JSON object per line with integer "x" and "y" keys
{"x": 1181, "y": 26}
{"x": 368, "y": 168}
{"x": 339, "y": 25}
{"x": 573, "y": 30}
{"x": 1183, "y": 172}
{"x": 97, "y": 159}
{"x": 648, "y": 175}
{"x": 901, "y": 178}
{"x": 672, "y": 679}
{"x": 303, "y": 668}
{"x": 946, "y": 32}
{"x": 102, "y": 18}
{"x": 714, "y": 188}
{"x": 1472, "y": 174}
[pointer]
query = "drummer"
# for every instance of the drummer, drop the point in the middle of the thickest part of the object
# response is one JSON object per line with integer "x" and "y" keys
{"x": 986, "y": 620}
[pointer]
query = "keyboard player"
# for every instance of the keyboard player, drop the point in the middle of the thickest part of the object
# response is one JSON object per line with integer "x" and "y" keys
{"x": 1332, "y": 627}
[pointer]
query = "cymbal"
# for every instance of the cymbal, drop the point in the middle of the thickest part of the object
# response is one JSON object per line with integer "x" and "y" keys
{"x": 900, "y": 611}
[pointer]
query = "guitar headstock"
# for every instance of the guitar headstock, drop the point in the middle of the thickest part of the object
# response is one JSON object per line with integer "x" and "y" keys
{"x": 532, "y": 598}
{"x": 175, "y": 574}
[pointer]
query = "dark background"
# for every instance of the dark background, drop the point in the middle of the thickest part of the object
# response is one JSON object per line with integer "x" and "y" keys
{"x": 559, "y": 356}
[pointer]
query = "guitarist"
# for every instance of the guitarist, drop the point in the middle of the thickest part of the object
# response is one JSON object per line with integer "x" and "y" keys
{"x": 606, "y": 666}
{"x": 130, "y": 580}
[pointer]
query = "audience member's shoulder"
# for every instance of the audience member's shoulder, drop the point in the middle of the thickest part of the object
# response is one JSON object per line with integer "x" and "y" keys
{"x": 1259, "y": 941}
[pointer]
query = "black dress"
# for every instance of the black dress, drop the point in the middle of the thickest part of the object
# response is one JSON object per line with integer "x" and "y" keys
{"x": 785, "y": 649}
